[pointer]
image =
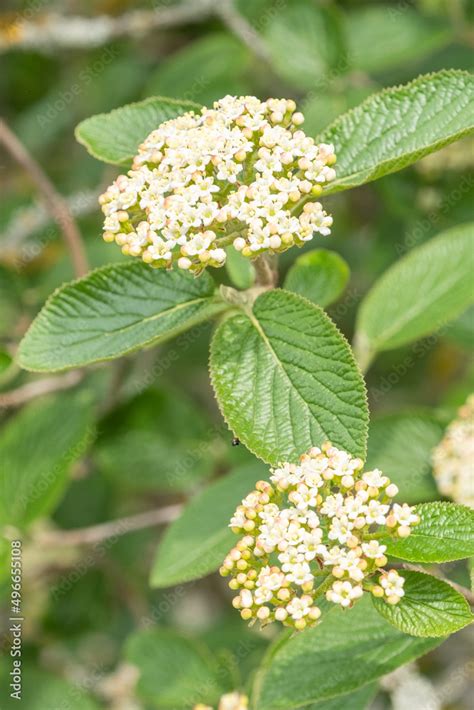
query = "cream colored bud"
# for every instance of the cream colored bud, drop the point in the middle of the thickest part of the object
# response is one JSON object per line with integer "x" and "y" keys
{"x": 281, "y": 614}
{"x": 108, "y": 237}
{"x": 263, "y": 613}
{"x": 403, "y": 531}
{"x": 314, "y": 613}
{"x": 294, "y": 196}
{"x": 236, "y": 602}
{"x": 184, "y": 263}
{"x": 377, "y": 591}
{"x": 300, "y": 624}
{"x": 239, "y": 243}
{"x": 393, "y": 599}
{"x": 391, "y": 490}
{"x": 297, "y": 119}
{"x": 246, "y": 614}
{"x": 391, "y": 521}
{"x": 381, "y": 561}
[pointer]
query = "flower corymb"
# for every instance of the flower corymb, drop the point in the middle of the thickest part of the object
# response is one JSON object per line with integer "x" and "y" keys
{"x": 241, "y": 173}
{"x": 453, "y": 457}
{"x": 314, "y": 531}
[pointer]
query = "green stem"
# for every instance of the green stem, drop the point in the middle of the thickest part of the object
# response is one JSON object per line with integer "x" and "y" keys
{"x": 324, "y": 586}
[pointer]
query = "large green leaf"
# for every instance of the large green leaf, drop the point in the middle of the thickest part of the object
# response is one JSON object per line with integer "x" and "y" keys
{"x": 113, "y": 311}
{"x": 196, "y": 543}
{"x": 419, "y": 294}
{"x": 398, "y": 126}
{"x": 430, "y": 607}
{"x": 285, "y": 379}
{"x": 445, "y": 533}
{"x": 175, "y": 672}
{"x": 348, "y": 650}
{"x": 37, "y": 449}
{"x": 305, "y": 43}
{"x": 319, "y": 275}
{"x": 401, "y": 445}
{"x": 114, "y": 137}
{"x": 383, "y": 37}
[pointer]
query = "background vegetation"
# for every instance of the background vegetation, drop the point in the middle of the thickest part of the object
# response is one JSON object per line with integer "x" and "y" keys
{"x": 144, "y": 434}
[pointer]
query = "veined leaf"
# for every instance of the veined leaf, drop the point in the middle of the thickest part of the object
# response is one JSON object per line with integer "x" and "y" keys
{"x": 398, "y": 126}
{"x": 196, "y": 543}
{"x": 348, "y": 650}
{"x": 445, "y": 533}
{"x": 175, "y": 672}
{"x": 113, "y": 311}
{"x": 114, "y": 137}
{"x": 286, "y": 380}
{"x": 401, "y": 445}
{"x": 319, "y": 275}
{"x": 419, "y": 294}
{"x": 430, "y": 607}
{"x": 37, "y": 449}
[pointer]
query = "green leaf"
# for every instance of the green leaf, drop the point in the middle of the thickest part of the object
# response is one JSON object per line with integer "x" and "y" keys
{"x": 240, "y": 269}
{"x": 381, "y": 38}
{"x": 398, "y": 126}
{"x": 319, "y": 275}
{"x": 419, "y": 294}
{"x": 175, "y": 672}
{"x": 430, "y": 607}
{"x": 285, "y": 379}
{"x": 176, "y": 73}
{"x": 305, "y": 43}
{"x": 113, "y": 311}
{"x": 37, "y": 449}
{"x": 196, "y": 543}
{"x": 348, "y": 650}
{"x": 401, "y": 445}
{"x": 358, "y": 700}
{"x": 42, "y": 690}
{"x": 445, "y": 533}
{"x": 114, "y": 137}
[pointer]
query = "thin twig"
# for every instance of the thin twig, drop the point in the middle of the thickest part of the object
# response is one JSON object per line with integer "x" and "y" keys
{"x": 242, "y": 29}
{"x": 54, "y": 202}
{"x": 49, "y": 30}
{"x": 437, "y": 573}
{"x": 114, "y": 528}
{"x": 23, "y": 394}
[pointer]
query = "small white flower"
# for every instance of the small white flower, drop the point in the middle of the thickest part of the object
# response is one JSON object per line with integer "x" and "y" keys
{"x": 344, "y": 593}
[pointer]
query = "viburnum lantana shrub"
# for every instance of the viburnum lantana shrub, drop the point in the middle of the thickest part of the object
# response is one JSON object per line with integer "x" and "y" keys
{"x": 326, "y": 540}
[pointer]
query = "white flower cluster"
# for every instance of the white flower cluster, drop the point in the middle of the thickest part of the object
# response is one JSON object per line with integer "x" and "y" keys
{"x": 241, "y": 173}
{"x": 453, "y": 458}
{"x": 315, "y": 532}
{"x": 229, "y": 701}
